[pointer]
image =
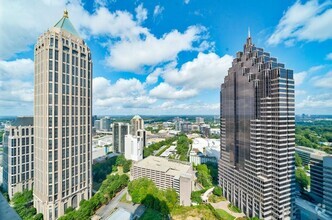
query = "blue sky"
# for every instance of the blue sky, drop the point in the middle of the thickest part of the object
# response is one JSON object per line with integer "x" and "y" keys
{"x": 170, "y": 57}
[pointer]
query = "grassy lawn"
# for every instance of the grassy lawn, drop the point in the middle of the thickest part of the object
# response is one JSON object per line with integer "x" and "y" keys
{"x": 192, "y": 212}
{"x": 233, "y": 208}
{"x": 151, "y": 214}
{"x": 215, "y": 199}
{"x": 124, "y": 199}
{"x": 225, "y": 215}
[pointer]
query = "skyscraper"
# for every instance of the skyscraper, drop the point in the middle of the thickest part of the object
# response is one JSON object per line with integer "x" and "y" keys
{"x": 120, "y": 130}
{"x": 136, "y": 123}
{"x": 256, "y": 169}
{"x": 62, "y": 119}
{"x": 18, "y": 156}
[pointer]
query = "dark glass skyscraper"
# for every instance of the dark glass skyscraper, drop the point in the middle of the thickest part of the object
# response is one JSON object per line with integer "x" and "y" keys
{"x": 256, "y": 167}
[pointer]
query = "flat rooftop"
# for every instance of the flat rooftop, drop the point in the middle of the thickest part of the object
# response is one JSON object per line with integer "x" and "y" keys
{"x": 164, "y": 165}
{"x": 317, "y": 154}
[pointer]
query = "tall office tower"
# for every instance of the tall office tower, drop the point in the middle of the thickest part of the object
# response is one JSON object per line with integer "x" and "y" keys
{"x": 256, "y": 169}
{"x": 120, "y": 130}
{"x": 18, "y": 144}
{"x": 62, "y": 119}
{"x": 136, "y": 123}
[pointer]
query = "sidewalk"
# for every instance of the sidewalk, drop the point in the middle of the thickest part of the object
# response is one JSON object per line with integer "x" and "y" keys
{"x": 224, "y": 206}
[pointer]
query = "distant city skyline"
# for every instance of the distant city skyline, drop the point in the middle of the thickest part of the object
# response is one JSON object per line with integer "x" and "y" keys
{"x": 169, "y": 58}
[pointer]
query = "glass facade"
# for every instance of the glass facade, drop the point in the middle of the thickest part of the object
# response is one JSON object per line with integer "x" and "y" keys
{"x": 256, "y": 168}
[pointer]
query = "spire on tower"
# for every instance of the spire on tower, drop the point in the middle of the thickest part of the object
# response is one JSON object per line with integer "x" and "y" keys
{"x": 65, "y": 13}
{"x": 248, "y": 32}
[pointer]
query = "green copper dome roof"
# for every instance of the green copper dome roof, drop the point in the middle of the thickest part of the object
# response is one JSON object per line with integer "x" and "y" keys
{"x": 65, "y": 24}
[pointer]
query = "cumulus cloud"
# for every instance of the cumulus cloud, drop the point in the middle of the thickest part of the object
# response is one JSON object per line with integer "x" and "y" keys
{"x": 141, "y": 13}
{"x": 165, "y": 91}
{"x": 132, "y": 55}
{"x": 309, "y": 21}
{"x": 207, "y": 71}
{"x": 321, "y": 101}
{"x": 126, "y": 93}
{"x": 16, "y": 86}
{"x": 19, "y": 68}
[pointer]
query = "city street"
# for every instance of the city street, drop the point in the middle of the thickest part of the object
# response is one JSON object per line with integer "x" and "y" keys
{"x": 106, "y": 210}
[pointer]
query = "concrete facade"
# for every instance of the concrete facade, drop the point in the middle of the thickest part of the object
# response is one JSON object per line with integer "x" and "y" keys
{"x": 167, "y": 174}
{"x": 62, "y": 120}
{"x": 133, "y": 147}
{"x": 18, "y": 158}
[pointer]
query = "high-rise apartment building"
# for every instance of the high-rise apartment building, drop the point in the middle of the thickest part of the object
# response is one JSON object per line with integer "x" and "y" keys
{"x": 133, "y": 147}
{"x": 256, "y": 168}
{"x": 120, "y": 130}
{"x": 62, "y": 120}
{"x": 18, "y": 157}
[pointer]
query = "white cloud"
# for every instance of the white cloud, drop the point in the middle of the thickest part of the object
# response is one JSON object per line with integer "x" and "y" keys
{"x": 22, "y": 31}
{"x": 308, "y": 21}
{"x": 324, "y": 81}
{"x": 125, "y": 93}
{"x": 207, "y": 71}
{"x": 165, "y": 91}
{"x": 16, "y": 86}
{"x": 186, "y": 1}
{"x": 132, "y": 55}
{"x": 301, "y": 76}
{"x": 329, "y": 56}
{"x": 158, "y": 10}
{"x": 320, "y": 101}
{"x": 141, "y": 13}
{"x": 19, "y": 68}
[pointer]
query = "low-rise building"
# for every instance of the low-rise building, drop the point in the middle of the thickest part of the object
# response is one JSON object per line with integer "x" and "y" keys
{"x": 305, "y": 153}
{"x": 165, "y": 174}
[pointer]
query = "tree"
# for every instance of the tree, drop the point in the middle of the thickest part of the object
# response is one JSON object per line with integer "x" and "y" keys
{"x": 298, "y": 160}
{"x": 144, "y": 191}
{"x": 196, "y": 197}
{"x": 217, "y": 191}
{"x": 39, "y": 216}
{"x": 302, "y": 179}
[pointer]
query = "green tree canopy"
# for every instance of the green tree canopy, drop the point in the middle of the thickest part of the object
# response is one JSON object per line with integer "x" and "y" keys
{"x": 302, "y": 179}
{"x": 298, "y": 160}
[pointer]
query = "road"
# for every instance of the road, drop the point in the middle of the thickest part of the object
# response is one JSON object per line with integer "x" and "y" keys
{"x": 106, "y": 211}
